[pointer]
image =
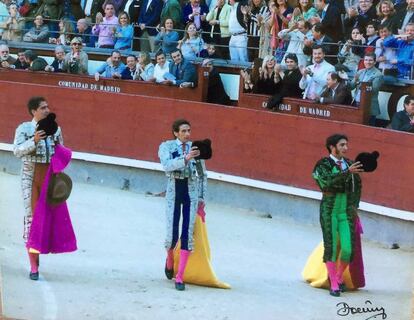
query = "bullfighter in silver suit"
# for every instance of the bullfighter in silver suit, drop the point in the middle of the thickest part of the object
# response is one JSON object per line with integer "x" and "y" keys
{"x": 186, "y": 187}
{"x": 35, "y": 149}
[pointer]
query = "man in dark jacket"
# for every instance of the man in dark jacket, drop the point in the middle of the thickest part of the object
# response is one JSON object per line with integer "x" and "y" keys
{"x": 35, "y": 63}
{"x": 216, "y": 92}
{"x": 404, "y": 120}
{"x": 359, "y": 17}
{"x": 183, "y": 72}
{"x": 330, "y": 18}
{"x": 336, "y": 91}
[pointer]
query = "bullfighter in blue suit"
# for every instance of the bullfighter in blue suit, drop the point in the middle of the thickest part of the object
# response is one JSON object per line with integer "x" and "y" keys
{"x": 186, "y": 187}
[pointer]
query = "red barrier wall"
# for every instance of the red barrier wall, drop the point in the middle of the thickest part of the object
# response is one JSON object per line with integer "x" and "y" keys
{"x": 255, "y": 144}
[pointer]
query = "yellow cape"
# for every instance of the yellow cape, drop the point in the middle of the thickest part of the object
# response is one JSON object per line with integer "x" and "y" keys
{"x": 199, "y": 270}
{"x": 316, "y": 274}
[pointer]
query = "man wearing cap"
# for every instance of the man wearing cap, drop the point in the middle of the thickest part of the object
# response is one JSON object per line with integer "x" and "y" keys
{"x": 340, "y": 183}
{"x": 186, "y": 187}
{"x": 76, "y": 61}
{"x": 35, "y": 149}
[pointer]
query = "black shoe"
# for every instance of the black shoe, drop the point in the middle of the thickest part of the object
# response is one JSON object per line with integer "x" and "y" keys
{"x": 34, "y": 276}
{"x": 342, "y": 287}
{"x": 169, "y": 273}
{"x": 180, "y": 286}
{"x": 335, "y": 293}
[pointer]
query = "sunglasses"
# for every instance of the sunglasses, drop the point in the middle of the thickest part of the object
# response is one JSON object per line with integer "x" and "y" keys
{"x": 76, "y": 44}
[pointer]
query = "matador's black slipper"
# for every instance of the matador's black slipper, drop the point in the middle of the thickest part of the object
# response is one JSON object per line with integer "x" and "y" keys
{"x": 169, "y": 273}
{"x": 180, "y": 286}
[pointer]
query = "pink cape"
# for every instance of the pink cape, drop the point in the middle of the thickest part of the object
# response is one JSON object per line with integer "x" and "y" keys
{"x": 51, "y": 230}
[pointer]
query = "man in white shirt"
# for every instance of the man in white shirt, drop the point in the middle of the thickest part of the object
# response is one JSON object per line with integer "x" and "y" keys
{"x": 314, "y": 76}
{"x": 238, "y": 31}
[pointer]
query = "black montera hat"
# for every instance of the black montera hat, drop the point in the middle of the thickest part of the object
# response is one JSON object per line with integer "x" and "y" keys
{"x": 205, "y": 149}
{"x": 368, "y": 160}
{"x": 48, "y": 124}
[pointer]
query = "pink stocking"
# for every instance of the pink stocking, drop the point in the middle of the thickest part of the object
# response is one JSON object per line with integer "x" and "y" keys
{"x": 184, "y": 254}
{"x": 341, "y": 268}
{"x": 170, "y": 259}
{"x": 34, "y": 262}
{"x": 331, "y": 267}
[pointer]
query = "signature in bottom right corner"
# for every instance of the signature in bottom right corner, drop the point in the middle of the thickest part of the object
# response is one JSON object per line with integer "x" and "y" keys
{"x": 344, "y": 309}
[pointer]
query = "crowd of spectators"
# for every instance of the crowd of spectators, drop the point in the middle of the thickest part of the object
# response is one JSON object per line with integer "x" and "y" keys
{"x": 319, "y": 49}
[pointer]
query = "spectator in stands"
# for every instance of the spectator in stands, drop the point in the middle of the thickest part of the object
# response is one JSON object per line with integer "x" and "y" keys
{"x": 405, "y": 15}
{"x": 320, "y": 38}
{"x": 375, "y": 79}
{"x": 161, "y": 68}
{"x": 149, "y": 18}
{"x": 6, "y": 61}
{"x": 192, "y": 43}
{"x": 314, "y": 76}
{"x": 111, "y": 68}
{"x": 167, "y": 38}
{"x": 12, "y": 25}
{"x": 216, "y": 92}
{"x": 21, "y": 63}
{"x": 330, "y": 19}
{"x": 404, "y": 120}
{"x": 303, "y": 11}
{"x": 72, "y": 10}
{"x": 76, "y": 61}
{"x": 84, "y": 31}
{"x": 258, "y": 13}
{"x": 196, "y": 13}
{"x": 50, "y": 10}
{"x": 124, "y": 32}
{"x": 35, "y": 63}
{"x": 360, "y": 16}
{"x": 66, "y": 33}
{"x": 296, "y": 35}
{"x": 3, "y": 15}
{"x": 182, "y": 72}
{"x": 405, "y": 50}
{"x": 288, "y": 82}
{"x": 133, "y": 8}
{"x": 336, "y": 91}
{"x": 386, "y": 57}
{"x": 171, "y": 9}
{"x": 352, "y": 51}
{"x": 145, "y": 66}
{"x": 218, "y": 18}
{"x": 267, "y": 80}
{"x": 38, "y": 33}
{"x": 105, "y": 26}
{"x": 92, "y": 7}
{"x": 58, "y": 62}
{"x": 267, "y": 31}
{"x": 371, "y": 35}
{"x": 281, "y": 15}
{"x": 386, "y": 15}
{"x": 131, "y": 71}
{"x": 238, "y": 31}
{"x": 210, "y": 52}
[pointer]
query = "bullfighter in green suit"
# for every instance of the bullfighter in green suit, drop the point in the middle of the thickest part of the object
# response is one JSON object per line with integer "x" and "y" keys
{"x": 340, "y": 183}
